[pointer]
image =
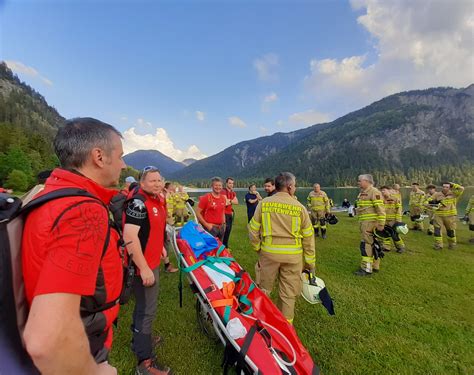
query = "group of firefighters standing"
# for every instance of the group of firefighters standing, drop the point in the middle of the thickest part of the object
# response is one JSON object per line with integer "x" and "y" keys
{"x": 282, "y": 228}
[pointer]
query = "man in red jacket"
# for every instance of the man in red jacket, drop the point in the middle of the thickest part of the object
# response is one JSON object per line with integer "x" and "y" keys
{"x": 70, "y": 257}
{"x": 144, "y": 230}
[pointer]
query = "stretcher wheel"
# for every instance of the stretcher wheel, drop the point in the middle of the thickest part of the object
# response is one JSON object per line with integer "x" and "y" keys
{"x": 205, "y": 321}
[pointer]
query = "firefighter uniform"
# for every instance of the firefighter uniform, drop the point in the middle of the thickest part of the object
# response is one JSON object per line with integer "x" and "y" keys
{"x": 430, "y": 211}
{"x": 180, "y": 199}
{"x": 281, "y": 231}
{"x": 169, "y": 196}
{"x": 393, "y": 214}
{"x": 416, "y": 203}
{"x": 371, "y": 213}
{"x": 445, "y": 215}
{"x": 398, "y": 195}
{"x": 470, "y": 216}
{"x": 319, "y": 205}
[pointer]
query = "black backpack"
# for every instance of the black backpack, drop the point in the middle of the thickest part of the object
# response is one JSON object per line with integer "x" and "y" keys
{"x": 13, "y": 304}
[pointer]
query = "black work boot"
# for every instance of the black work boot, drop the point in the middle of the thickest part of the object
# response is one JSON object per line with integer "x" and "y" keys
{"x": 323, "y": 234}
{"x": 361, "y": 272}
{"x": 316, "y": 232}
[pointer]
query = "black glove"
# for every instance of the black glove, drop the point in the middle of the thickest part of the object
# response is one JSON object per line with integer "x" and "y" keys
{"x": 191, "y": 202}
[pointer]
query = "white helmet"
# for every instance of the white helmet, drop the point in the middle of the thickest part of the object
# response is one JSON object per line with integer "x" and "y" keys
{"x": 420, "y": 218}
{"x": 312, "y": 285}
{"x": 400, "y": 228}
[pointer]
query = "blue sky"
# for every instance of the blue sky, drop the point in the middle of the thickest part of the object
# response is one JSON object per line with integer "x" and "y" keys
{"x": 191, "y": 78}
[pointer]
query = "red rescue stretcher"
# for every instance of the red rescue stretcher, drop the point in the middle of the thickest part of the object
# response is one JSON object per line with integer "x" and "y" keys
{"x": 226, "y": 296}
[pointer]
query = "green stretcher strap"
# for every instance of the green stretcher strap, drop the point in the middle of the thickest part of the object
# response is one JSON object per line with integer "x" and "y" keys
{"x": 220, "y": 250}
{"x": 226, "y": 314}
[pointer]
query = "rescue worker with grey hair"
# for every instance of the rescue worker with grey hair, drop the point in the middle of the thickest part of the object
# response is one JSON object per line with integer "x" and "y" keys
{"x": 371, "y": 214}
{"x": 281, "y": 232}
{"x": 318, "y": 203}
{"x": 416, "y": 206}
{"x": 445, "y": 215}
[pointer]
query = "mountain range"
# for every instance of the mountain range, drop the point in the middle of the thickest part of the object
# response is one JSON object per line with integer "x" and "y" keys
{"x": 142, "y": 158}
{"x": 424, "y": 135}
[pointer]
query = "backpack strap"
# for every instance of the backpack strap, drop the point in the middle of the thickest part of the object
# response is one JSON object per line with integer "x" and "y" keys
{"x": 56, "y": 194}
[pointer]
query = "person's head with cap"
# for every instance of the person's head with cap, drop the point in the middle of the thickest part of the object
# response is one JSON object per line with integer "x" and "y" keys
{"x": 129, "y": 180}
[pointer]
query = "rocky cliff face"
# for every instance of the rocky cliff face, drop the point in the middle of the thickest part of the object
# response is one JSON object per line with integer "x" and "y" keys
{"x": 413, "y": 134}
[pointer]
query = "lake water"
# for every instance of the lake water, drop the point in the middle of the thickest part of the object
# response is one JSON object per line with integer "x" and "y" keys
{"x": 337, "y": 195}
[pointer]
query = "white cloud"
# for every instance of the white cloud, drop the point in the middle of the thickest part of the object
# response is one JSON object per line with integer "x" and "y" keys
{"x": 310, "y": 117}
{"x": 200, "y": 116}
{"x": 266, "y": 67}
{"x": 19, "y": 67}
{"x": 418, "y": 44}
{"x": 158, "y": 141}
{"x": 237, "y": 122}
{"x": 267, "y": 100}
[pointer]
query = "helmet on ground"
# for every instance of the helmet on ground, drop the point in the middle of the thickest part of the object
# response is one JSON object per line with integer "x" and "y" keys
{"x": 400, "y": 228}
{"x": 332, "y": 219}
{"x": 421, "y": 218}
{"x": 387, "y": 232}
{"x": 312, "y": 285}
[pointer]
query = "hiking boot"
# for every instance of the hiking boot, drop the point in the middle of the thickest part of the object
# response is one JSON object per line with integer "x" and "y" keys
{"x": 401, "y": 250}
{"x": 452, "y": 246}
{"x": 323, "y": 236}
{"x": 376, "y": 270}
{"x": 170, "y": 269}
{"x": 150, "y": 367}
{"x": 437, "y": 247}
{"x": 361, "y": 272}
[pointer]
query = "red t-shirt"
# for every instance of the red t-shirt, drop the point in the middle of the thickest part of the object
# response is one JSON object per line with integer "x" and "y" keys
{"x": 212, "y": 208}
{"x": 64, "y": 256}
{"x": 230, "y": 195}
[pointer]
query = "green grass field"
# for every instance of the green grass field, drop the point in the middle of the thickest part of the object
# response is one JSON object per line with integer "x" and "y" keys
{"x": 415, "y": 317}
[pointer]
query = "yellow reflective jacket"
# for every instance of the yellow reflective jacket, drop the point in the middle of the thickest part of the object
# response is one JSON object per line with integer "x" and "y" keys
{"x": 470, "y": 206}
{"x": 448, "y": 201}
{"x": 180, "y": 200}
{"x": 169, "y": 203}
{"x": 318, "y": 201}
{"x": 281, "y": 225}
{"x": 417, "y": 199}
{"x": 393, "y": 208}
{"x": 370, "y": 206}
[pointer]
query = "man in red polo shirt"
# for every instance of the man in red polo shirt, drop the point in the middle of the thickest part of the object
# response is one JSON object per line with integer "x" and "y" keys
{"x": 211, "y": 209}
{"x": 144, "y": 230}
{"x": 229, "y": 193}
{"x": 70, "y": 257}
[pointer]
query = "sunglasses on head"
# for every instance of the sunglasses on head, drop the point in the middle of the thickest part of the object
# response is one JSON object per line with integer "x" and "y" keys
{"x": 149, "y": 168}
